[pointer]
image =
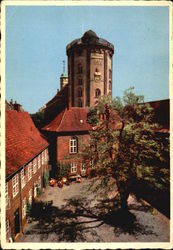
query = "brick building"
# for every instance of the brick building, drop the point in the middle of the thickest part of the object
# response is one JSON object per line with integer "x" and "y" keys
{"x": 67, "y": 134}
{"x": 89, "y": 76}
{"x": 26, "y": 167}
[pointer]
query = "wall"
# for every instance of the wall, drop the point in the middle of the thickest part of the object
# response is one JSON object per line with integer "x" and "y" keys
{"x": 16, "y": 202}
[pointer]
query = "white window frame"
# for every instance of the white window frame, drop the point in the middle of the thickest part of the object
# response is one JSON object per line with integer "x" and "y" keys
{"x": 35, "y": 189}
{"x": 24, "y": 208}
{"x": 8, "y": 230}
{"x": 73, "y": 167}
{"x": 29, "y": 171}
{"x": 23, "y": 178}
{"x": 83, "y": 167}
{"x": 30, "y": 196}
{"x": 39, "y": 162}
{"x": 45, "y": 155}
{"x": 6, "y": 194}
{"x": 42, "y": 157}
{"x": 73, "y": 145}
{"x": 34, "y": 166}
{"x": 15, "y": 185}
{"x": 39, "y": 182}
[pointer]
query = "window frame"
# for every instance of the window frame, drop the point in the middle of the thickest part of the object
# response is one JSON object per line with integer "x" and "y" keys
{"x": 24, "y": 205}
{"x": 97, "y": 93}
{"x": 8, "y": 228}
{"x": 23, "y": 178}
{"x": 79, "y": 92}
{"x": 39, "y": 161}
{"x": 34, "y": 164}
{"x": 73, "y": 145}
{"x": 29, "y": 171}
{"x": 73, "y": 166}
{"x": 30, "y": 196}
{"x": 6, "y": 195}
{"x": 79, "y": 68}
{"x": 15, "y": 185}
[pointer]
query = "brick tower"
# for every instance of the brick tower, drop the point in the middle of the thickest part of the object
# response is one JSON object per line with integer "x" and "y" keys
{"x": 89, "y": 69}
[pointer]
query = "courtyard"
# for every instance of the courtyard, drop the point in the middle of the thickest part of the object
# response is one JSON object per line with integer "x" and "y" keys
{"x": 82, "y": 213}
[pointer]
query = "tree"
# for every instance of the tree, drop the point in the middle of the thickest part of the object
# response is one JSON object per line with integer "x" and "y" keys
{"x": 123, "y": 142}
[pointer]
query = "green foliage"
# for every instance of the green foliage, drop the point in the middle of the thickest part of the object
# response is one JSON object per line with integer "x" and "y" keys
{"x": 131, "y": 152}
{"x": 63, "y": 169}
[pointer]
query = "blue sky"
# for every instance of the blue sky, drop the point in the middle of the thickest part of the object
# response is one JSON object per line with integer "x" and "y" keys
{"x": 36, "y": 39}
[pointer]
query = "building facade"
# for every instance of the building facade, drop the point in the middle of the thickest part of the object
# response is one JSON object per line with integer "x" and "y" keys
{"x": 26, "y": 169}
{"x": 89, "y": 69}
{"x": 67, "y": 135}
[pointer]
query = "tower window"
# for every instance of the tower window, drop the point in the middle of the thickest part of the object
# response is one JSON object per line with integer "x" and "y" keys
{"x": 97, "y": 93}
{"x": 79, "y": 92}
{"x": 79, "y": 103}
{"x": 80, "y": 69}
{"x": 73, "y": 145}
{"x": 110, "y": 74}
{"x": 80, "y": 81}
{"x": 110, "y": 85}
{"x": 79, "y": 52}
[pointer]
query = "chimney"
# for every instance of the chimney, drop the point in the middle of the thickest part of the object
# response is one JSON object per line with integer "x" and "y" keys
{"x": 17, "y": 107}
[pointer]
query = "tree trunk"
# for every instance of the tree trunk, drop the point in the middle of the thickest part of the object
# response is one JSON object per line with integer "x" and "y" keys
{"x": 123, "y": 201}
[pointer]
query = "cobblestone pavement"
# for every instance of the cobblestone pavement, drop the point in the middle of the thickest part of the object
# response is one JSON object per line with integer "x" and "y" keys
{"x": 80, "y": 215}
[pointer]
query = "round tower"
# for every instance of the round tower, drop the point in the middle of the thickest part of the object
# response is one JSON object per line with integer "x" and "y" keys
{"x": 89, "y": 69}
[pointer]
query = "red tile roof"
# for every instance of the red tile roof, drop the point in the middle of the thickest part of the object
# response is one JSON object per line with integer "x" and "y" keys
{"x": 75, "y": 119}
{"x": 23, "y": 140}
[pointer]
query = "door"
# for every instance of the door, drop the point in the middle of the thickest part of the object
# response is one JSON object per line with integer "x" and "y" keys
{"x": 16, "y": 222}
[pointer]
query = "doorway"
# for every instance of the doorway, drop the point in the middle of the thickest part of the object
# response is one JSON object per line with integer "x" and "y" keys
{"x": 16, "y": 222}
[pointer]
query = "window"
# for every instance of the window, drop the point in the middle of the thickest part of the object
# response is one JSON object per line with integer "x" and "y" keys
{"x": 15, "y": 185}
{"x": 35, "y": 189}
{"x": 8, "y": 231}
{"x": 83, "y": 167}
{"x": 110, "y": 74}
{"x": 79, "y": 92}
{"x": 73, "y": 145}
{"x": 45, "y": 155}
{"x": 23, "y": 179}
{"x": 39, "y": 161}
{"x": 73, "y": 167}
{"x": 24, "y": 208}
{"x": 39, "y": 182}
{"x": 80, "y": 69}
{"x": 42, "y": 156}
{"x": 30, "y": 171}
{"x": 80, "y": 81}
{"x": 34, "y": 166}
{"x": 30, "y": 196}
{"x": 110, "y": 85}
{"x": 79, "y": 103}
{"x": 79, "y": 52}
{"x": 97, "y": 93}
{"x": 6, "y": 195}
